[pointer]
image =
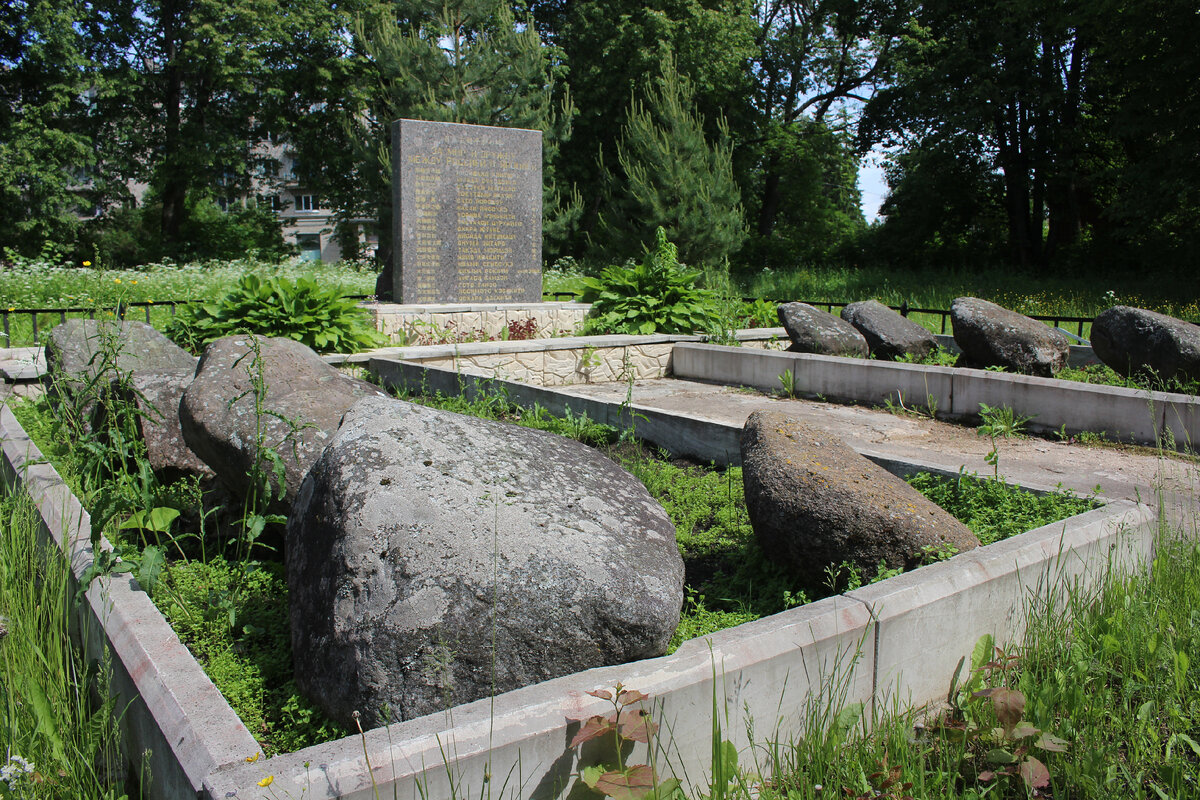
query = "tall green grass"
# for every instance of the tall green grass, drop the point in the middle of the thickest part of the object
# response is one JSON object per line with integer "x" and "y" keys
{"x": 58, "y": 741}
{"x": 39, "y": 284}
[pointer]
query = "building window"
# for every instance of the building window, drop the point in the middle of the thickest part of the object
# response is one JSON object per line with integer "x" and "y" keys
{"x": 307, "y": 202}
{"x": 310, "y": 246}
{"x": 270, "y": 201}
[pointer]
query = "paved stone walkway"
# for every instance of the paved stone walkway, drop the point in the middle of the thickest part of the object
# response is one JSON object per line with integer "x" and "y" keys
{"x": 1031, "y": 460}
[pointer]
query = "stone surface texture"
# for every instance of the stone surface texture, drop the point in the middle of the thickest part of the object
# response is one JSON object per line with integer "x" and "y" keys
{"x": 88, "y": 360}
{"x": 991, "y": 335}
{"x": 157, "y": 395}
{"x": 468, "y": 226}
{"x": 565, "y": 367}
{"x": 425, "y": 326}
{"x": 815, "y": 503}
{"x": 302, "y": 402}
{"x": 79, "y": 349}
{"x": 1134, "y": 340}
{"x": 421, "y": 538}
{"x": 889, "y": 335}
{"x": 815, "y": 331}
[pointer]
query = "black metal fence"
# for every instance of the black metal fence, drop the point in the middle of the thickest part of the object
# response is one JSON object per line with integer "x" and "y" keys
{"x": 143, "y": 308}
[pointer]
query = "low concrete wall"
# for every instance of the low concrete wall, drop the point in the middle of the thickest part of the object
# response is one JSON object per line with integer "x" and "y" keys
{"x": 1126, "y": 414}
{"x": 773, "y": 672}
{"x": 414, "y": 322}
{"x": 169, "y": 709}
{"x": 562, "y": 361}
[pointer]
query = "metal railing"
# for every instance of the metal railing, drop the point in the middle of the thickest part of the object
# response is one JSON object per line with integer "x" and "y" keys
{"x": 122, "y": 310}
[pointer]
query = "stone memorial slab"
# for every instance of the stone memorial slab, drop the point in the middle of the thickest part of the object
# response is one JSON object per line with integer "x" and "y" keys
{"x": 467, "y": 225}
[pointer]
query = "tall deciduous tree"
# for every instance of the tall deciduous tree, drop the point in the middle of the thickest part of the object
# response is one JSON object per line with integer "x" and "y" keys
{"x": 671, "y": 176}
{"x": 1014, "y": 74}
{"x": 184, "y": 85}
{"x": 47, "y": 153}
{"x": 818, "y": 61}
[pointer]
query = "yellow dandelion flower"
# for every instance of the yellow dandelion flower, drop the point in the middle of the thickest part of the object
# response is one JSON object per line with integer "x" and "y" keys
{"x": 116, "y": 280}
{"x": 267, "y": 781}
{"x": 12, "y": 308}
{"x": 253, "y": 758}
{"x": 134, "y": 283}
{"x": 87, "y": 263}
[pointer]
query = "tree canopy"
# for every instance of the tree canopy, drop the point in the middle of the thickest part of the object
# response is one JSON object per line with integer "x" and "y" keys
{"x": 1044, "y": 134}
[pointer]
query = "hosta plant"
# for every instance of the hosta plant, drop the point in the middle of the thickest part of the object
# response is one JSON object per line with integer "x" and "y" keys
{"x": 313, "y": 314}
{"x": 657, "y": 296}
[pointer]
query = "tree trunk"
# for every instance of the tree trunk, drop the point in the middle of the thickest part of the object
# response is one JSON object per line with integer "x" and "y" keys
{"x": 174, "y": 179}
{"x": 769, "y": 210}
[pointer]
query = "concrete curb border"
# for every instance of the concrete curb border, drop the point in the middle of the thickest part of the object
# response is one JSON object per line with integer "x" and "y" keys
{"x": 843, "y": 649}
{"x": 171, "y": 708}
{"x": 955, "y": 393}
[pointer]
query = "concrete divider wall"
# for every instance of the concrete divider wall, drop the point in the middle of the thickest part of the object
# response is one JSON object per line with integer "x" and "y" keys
{"x": 1126, "y": 414}
{"x": 169, "y": 708}
{"x": 857, "y": 647}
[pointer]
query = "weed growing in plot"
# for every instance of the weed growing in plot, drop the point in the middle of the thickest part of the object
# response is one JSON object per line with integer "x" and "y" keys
{"x": 994, "y": 510}
{"x": 59, "y": 741}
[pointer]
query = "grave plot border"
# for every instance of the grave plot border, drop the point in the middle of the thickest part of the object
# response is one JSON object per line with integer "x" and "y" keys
{"x": 849, "y": 646}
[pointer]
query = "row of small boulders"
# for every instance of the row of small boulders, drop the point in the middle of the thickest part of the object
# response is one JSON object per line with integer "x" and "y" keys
{"x": 1130, "y": 340}
{"x": 417, "y": 539}
{"x": 867, "y": 327}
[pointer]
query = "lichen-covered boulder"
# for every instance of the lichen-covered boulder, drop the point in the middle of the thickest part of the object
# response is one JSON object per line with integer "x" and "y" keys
{"x": 815, "y": 331}
{"x": 277, "y": 393}
{"x": 991, "y": 335}
{"x": 434, "y": 558}
{"x": 79, "y": 350}
{"x": 1134, "y": 340}
{"x": 814, "y": 503}
{"x": 156, "y": 396}
{"x": 889, "y": 335}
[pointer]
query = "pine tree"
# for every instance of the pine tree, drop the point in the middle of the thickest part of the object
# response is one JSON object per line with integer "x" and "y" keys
{"x": 671, "y": 176}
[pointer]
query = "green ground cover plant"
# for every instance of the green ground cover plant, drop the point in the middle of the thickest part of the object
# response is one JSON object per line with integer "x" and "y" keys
{"x": 658, "y": 295}
{"x": 318, "y": 316}
{"x": 208, "y": 567}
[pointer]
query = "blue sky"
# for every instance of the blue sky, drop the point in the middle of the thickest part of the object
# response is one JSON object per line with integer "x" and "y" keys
{"x": 872, "y": 185}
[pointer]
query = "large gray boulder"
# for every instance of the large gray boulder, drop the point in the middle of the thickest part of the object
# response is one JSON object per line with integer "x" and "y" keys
{"x": 815, "y": 503}
{"x": 156, "y": 396}
{"x": 991, "y": 335}
{"x": 889, "y": 335}
{"x": 815, "y": 331}
{"x": 91, "y": 364}
{"x": 434, "y": 558}
{"x": 81, "y": 350}
{"x": 1134, "y": 340}
{"x": 277, "y": 393}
